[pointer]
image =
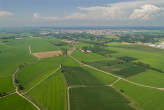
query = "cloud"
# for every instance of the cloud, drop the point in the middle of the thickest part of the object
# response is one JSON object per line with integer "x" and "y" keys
{"x": 146, "y": 12}
{"x": 75, "y": 16}
{"x": 102, "y": 12}
{"x": 5, "y": 14}
{"x": 123, "y": 13}
{"x": 37, "y": 16}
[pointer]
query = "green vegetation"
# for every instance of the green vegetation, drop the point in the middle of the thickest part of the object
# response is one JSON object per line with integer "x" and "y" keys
{"x": 29, "y": 75}
{"x": 44, "y": 81}
{"x": 13, "y": 54}
{"x": 79, "y": 76}
{"x": 69, "y": 62}
{"x": 6, "y": 84}
{"x": 86, "y": 56}
{"x": 97, "y": 98}
{"x": 145, "y": 98}
{"x": 111, "y": 37}
{"x": 50, "y": 94}
{"x": 149, "y": 77}
{"x": 119, "y": 67}
{"x": 40, "y": 45}
{"x": 15, "y": 102}
{"x": 99, "y": 50}
{"x": 106, "y": 79}
{"x": 151, "y": 58}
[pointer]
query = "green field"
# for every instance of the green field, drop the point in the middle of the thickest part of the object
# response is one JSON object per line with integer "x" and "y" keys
{"x": 54, "y": 83}
{"x": 13, "y": 53}
{"x": 15, "y": 102}
{"x": 69, "y": 62}
{"x": 87, "y": 56}
{"x": 111, "y": 37}
{"x": 149, "y": 77}
{"x": 97, "y": 98}
{"x": 50, "y": 94}
{"x": 80, "y": 75}
{"x": 41, "y": 45}
{"x": 118, "y": 67}
{"x": 106, "y": 79}
{"x": 153, "y": 58}
{"x": 145, "y": 98}
{"x": 29, "y": 75}
{"x": 6, "y": 84}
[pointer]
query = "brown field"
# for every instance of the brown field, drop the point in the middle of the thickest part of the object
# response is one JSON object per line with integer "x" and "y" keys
{"x": 69, "y": 52}
{"x": 48, "y": 54}
{"x": 126, "y": 43}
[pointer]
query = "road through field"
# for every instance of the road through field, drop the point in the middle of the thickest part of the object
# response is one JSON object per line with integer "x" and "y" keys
{"x": 29, "y": 47}
{"x": 17, "y": 92}
{"x": 43, "y": 80}
{"x": 120, "y": 78}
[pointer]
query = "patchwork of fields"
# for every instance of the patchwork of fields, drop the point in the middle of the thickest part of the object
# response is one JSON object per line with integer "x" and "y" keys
{"x": 119, "y": 77}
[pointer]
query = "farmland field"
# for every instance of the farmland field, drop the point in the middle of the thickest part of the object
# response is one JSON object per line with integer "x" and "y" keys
{"x": 118, "y": 67}
{"x": 80, "y": 75}
{"x": 40, "y": 45}
{"x": 151, "y": 58}
{"x": 49, "y": 69}
{"x": 87, "y": 57}
{"x": 6, "y": 84}
{"x": 29, "y": 75}
{"x": 149, "y": 77}
{"x": 97, "y": 98}
{"x": 14, "y": 53}
{"x": 50, "y": 95}
{"x": 16, "y": 102}
{"x": 146, "y": 98}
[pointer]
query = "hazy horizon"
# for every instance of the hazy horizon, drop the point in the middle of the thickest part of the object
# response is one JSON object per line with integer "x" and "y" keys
{"x": 64, "y": 13}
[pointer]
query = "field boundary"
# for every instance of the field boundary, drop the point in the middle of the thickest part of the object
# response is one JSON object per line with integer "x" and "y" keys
{"x": 8, "y": 95}
{"x": 17, "y": 92}
{"x": 29, "y": 47}
{"x": 67, "y": 93}
{"x": 42, "y": 80}
{"x": 120, "y": 78}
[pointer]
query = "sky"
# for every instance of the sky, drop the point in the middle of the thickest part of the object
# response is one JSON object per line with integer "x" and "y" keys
{"x": 19, "y": 13}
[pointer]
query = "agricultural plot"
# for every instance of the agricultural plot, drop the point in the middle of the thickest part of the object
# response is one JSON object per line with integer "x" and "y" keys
{"x": 145, "y": 98}
{"x": 15, "y": 102}
{"x": 106, "y": 79}
{"x": 151, "y": 58}
{"x": 29, "y": 75}
{"x": 97, "y": 98}
{"x": 69, "y": 62}
{"x": 149, "y": 77}
{"x": 86, "y": 56}
{"x": 48, "y": 54}
{"x": 112, "y": 37}
{"x": 80, "y": 75}
{"x": 58, "y": 43}
{"x": 50, "y": 94}
{"x": 80, "y": 45}
{"x": 6, "y": 84}
{"x": 133, "y": 46}
{"x": 118, "y": 67}
{"x": 41, "y": 45}
{"x": 13, "y": 53}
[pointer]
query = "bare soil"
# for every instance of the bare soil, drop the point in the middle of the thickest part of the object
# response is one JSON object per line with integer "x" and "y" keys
{"x": 48, "y": 54}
